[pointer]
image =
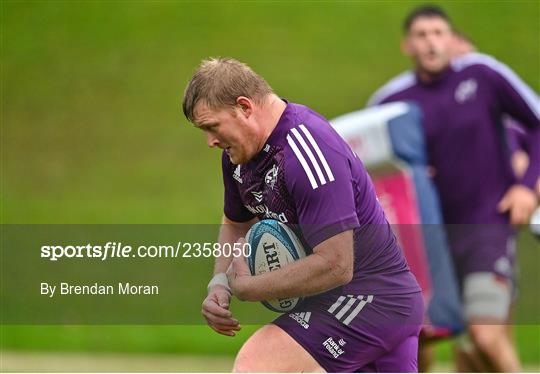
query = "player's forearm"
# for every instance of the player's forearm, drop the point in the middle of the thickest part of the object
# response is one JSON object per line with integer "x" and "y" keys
{"x": 229, "y": 232}
{"x": 309, "y": 276}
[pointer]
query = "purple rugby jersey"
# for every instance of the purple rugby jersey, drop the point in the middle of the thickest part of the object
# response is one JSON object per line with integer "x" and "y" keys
{"x": 307, "y": 177}
{"x": 463, "y": 120}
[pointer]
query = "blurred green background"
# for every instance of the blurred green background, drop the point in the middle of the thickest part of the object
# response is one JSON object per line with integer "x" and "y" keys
{"x": 92, "y": 130}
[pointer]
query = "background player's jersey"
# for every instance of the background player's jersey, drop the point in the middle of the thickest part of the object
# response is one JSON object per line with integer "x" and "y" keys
{"x": 463, "y": 111}
{"x": 307, "y": 176}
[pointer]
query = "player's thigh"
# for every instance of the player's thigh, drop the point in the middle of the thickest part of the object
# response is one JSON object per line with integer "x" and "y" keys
{"x": 485, "y": 258}
{"x": 487, "y": 298}
{"x": 271, "y": 349}
{"x": 402, "y": 359}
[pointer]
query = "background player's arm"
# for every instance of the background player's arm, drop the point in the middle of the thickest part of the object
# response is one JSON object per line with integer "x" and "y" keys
{"x": 518, "y": 100}
{"x": 522, "y": 103}
{"x": 330, "y": 266}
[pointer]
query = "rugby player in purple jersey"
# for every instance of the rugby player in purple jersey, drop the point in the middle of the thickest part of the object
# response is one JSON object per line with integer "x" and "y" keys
{"x": 463, "y": 103}
{"x": 363, "y": 308}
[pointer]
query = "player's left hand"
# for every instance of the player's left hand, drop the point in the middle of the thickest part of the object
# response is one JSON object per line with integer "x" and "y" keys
{"x": 239, "y": 275}
{"x": 520, "y": 201}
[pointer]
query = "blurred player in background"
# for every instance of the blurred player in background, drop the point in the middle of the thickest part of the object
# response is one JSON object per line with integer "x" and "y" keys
{"x": 283, "y": 161}
{"x": 463, "y": 100}
{"x": 461, "y": 45}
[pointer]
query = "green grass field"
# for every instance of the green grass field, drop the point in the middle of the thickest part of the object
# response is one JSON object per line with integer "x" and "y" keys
{"x": 167, "y": 348}
{"x": 92, "y": 130}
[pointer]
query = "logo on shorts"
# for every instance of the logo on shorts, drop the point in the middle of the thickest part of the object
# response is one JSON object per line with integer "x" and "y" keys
{"x": 271, "y": 176}
{"x": 302, "y": 318}
{"x": 345, "y": 312}
{"x": 236, "y": 174}
{"x": 335, "y": 349}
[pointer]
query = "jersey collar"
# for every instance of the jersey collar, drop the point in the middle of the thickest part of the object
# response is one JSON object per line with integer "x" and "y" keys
{"x": 279, "y": 132}
{"x": 437, "y": 80}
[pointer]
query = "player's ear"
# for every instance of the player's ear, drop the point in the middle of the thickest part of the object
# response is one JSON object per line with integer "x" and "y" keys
{"x": 245, "y": 105}
{"x": 406, "y": 48}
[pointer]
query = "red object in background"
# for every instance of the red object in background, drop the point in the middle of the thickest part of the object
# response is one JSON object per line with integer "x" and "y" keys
{"x": 396, "y": 193}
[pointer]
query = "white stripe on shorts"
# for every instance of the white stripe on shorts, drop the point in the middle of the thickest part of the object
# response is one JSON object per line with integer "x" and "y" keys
{"x": 358, "y": 309}
{"x": 347, "y": 306}
{"x": 339, "y": 301}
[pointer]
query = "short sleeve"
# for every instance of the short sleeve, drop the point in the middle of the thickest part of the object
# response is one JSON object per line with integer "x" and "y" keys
{"x": 320, "y": 182}
{"x": 233, "y": 207}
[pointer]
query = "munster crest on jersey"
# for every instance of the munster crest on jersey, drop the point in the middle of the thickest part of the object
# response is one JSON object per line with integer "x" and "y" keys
{"x": 466, "y": 90}
{"x": 271, "y": 176}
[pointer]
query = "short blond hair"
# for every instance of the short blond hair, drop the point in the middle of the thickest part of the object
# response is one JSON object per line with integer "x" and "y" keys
{"x": 218, "y": 82}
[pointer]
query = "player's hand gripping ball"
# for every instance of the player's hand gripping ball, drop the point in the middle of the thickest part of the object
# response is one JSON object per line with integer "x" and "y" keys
{"x": 273, "y": 246}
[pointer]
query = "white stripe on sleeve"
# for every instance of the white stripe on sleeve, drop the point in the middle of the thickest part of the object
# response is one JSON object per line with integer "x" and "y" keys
{"x": 314, "y": 162}
{"x": 396, "y": 84}
{"x": 526, "y": 93}
{"x": 319, "y": 153}
{"x": 303, "y": 162}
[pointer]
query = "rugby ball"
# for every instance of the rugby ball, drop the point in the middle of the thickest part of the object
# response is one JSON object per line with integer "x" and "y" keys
{"x": 273, "y": 246}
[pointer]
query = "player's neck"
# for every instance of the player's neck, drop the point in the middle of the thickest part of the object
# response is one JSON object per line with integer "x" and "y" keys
{"x": 427, "y": 77}
{"x": 274, "y": 108}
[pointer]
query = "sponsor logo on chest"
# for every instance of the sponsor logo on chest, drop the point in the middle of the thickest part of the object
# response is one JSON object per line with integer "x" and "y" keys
{"x": 263, "y": 209}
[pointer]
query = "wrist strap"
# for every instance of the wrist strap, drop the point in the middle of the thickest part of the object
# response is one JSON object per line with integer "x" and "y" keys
{"x": 221, "y": 279}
